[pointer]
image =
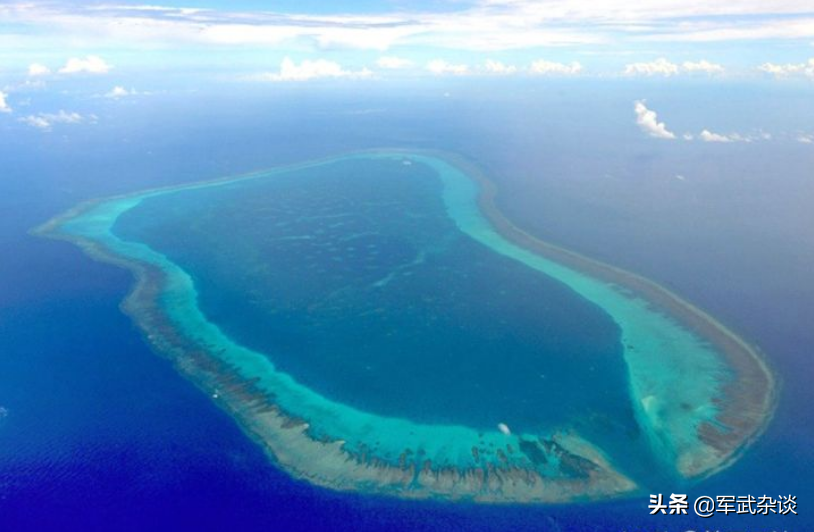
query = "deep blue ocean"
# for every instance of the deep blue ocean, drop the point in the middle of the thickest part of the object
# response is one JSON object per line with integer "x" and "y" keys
{"x": 99, "y": 433}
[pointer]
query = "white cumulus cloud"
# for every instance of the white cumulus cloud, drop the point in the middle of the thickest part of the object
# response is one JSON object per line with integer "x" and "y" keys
{"x": 789, "y": 69}
{"x": 439, "y": 66}
{"x": 92, "y": 64}
{"x": 308, "y": 69}
{"x": 664, "y": 67}
{"x": 543, "y": 67}
{"x": 805, "y": 139}
{"x": 393, "y": 63}
{"x": 4, "y": 107}
{"x": 702, "y": 66}
{"x": 648, "y": 122}
{"x": 36, "y": 121}
{"x": 120, "y": 92}
{"x": 45, "y": 121}
{"x": 659, "y": 67}
{"x": 36, "y": 69}
{"x": 708, "y": 136}
{"x": 496, "y": 67}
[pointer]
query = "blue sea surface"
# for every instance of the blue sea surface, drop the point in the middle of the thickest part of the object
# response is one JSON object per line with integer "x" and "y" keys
{"x": 101, "y": 434}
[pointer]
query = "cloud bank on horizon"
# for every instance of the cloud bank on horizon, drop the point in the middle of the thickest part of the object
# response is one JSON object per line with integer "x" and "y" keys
{"x": 468, "y": 36}
{"x": 51, "y": 42}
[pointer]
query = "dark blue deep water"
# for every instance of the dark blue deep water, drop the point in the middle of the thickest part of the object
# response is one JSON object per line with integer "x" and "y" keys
{"x": 101, "y": 434}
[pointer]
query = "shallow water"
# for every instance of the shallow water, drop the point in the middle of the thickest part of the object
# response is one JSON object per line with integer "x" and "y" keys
{"x": 352, "y": 278}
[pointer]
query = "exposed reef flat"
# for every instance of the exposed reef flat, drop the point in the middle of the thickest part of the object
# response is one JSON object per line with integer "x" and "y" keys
{"x": 699, "y": 392}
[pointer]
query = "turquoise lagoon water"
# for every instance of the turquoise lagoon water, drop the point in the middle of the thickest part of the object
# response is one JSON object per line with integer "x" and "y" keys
{"x": 369, "y": 296}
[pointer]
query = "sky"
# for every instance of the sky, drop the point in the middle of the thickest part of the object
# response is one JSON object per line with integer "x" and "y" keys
{"x": 138, "y": 47}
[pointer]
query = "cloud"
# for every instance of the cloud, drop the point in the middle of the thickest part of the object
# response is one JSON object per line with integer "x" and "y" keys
{"x": 708, "y": 136}
{"x": 36, "y": 69}
{"x": 648, "y": 122}
{"x": 45, "y": 121}
{"x": 4, "y": 107}
{"x": 439, "y": 66}
{"x": 702, "y": 66}
{"x": 308, "y": 70}
{"x": 789, "y": 69}
{"x": 496, "y": 67}
{"x": 482, "y": 25}
{"x": 659, "y": 67}
{"x": 663, "y": 67}
{"x": 37, "y": 121}
{"x": 92, "y": 64}
{"x": 543, "y": 67}
{"x": 393, "y": 63}
{"x": 805, "y": 139}
{"x": 120, "y": 92}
